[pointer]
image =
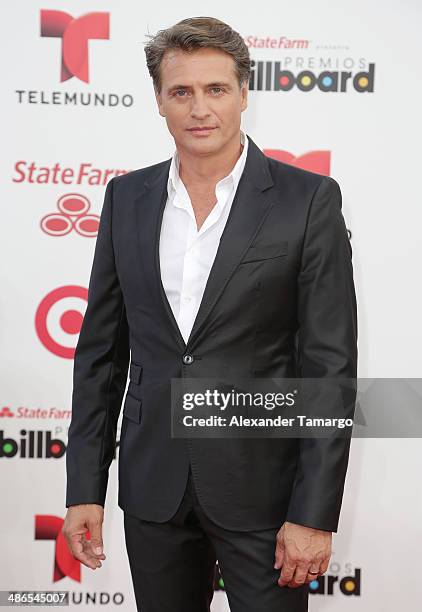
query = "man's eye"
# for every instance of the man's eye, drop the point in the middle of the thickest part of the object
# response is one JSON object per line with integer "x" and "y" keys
{"x": 217, "y": 89}
{"x": 178, "y": 91}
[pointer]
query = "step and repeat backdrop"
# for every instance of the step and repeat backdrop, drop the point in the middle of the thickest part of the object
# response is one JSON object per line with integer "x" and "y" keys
{"x": 335, "y": 88}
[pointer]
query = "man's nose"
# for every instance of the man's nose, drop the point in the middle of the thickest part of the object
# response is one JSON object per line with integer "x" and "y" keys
{"x": 199, "y": 108}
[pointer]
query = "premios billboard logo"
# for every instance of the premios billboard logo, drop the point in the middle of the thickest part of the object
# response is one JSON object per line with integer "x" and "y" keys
{"x": 31, "y": 444}
{"x": 297, "y": 64}
{"x": 333, "y": 583}
{"x": 271, "y": 76}
{"x": 36, "y": 444}
{"x": 329, "y": 584}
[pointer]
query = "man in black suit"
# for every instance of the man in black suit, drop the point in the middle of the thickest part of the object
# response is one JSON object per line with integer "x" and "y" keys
{"x": 217, "y": 261}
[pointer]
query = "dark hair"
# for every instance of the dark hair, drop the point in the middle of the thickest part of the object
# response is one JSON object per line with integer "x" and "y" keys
{"x": 191, "y": 34}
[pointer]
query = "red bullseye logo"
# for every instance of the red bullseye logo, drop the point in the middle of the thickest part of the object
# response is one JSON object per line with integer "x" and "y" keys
{"x": 73, "y": 215}
{"x": 59, "y": 317}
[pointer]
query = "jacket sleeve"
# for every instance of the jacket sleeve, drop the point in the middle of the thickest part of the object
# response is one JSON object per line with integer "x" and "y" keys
{"x": 99, "y": 373}
{"x": 327, "y": 347}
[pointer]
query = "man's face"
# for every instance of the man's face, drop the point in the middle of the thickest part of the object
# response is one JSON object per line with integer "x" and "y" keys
{"x": 200, "y": 89}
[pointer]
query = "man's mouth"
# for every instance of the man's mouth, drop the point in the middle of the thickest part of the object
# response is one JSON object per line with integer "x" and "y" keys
{"x": 201, "y": 129}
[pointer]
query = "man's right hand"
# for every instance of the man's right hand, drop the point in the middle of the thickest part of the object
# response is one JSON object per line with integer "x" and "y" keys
{"x": 80, "y": 519}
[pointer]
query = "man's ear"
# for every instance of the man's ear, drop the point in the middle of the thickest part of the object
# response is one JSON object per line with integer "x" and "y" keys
{"x": 244, "y": 95}
{"x": 159, "y": 100}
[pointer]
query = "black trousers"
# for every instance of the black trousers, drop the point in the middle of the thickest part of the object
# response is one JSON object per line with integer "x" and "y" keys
{"x": 173, "y": 564}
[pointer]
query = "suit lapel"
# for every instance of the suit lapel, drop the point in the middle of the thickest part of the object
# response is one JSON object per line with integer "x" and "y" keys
{"x": 149, "y": 209}
{"x": 249, "y": 209}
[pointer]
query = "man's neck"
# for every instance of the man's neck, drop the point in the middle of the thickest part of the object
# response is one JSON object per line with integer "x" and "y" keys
{"x": 197, "y": 172}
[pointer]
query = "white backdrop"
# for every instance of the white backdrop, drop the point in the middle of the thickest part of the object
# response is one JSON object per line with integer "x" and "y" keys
{"x": 368, "y": 141}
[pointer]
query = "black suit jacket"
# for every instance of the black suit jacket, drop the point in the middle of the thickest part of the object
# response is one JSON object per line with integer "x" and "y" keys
{"x": 279, "y": 302}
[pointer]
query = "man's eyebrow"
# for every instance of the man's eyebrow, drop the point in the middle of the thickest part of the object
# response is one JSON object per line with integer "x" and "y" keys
{"x": 218, "y": 83}
{"x": 214, "y": 84}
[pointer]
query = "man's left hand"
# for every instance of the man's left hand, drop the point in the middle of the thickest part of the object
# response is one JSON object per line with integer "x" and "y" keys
{"x": 300, "y": 550}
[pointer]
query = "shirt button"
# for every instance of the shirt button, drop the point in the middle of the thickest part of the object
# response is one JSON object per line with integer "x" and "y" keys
{"x": 187, "y": 359}
{"x": 187, "y": 299}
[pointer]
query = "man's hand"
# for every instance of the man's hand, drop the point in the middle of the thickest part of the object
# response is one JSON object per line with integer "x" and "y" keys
{"x": 80, "y": 519}
{"x": 300, "y": 550}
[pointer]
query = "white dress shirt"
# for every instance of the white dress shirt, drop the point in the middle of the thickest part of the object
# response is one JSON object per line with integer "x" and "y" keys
{"x": 186, "y": 253}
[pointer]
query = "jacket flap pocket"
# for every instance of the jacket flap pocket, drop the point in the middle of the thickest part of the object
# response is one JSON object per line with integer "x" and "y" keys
{"x": 265, "y": 251}
{"x": 132, "y": 408}
{"x": 135, "y": 372}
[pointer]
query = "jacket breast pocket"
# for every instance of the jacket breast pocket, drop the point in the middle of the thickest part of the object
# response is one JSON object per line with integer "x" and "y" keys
{"x": 132, "y": 408}
{"x": 261, "y": 252}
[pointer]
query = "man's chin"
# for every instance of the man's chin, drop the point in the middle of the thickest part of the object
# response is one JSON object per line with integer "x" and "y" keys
{"x": 202, "y": 147}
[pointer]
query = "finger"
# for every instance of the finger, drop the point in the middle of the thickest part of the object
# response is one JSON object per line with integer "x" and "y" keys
{"x": 314, "y": 571}
{"x": 76, "y": 543}
{"x": 286, "y": 573}
{"x": 279, "y": 555}
{"x": 311, "y": 578}
{"x": 96, "y": 539}
{"x": 88, "y": 550}
{"x": 88, "y": 560}
{"x": 299, "y": 577}
{"x": 84, "y": 556}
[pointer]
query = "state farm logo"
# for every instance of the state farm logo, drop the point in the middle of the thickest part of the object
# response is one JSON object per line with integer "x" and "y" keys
{"x": 6, "y": 412}
{"x": 59, "y": 317}
{"x": 75, "y": 34}
{"x": 72, "y": 216}
{"x": 40, "y": 413}
{"x": 314, "y": 161}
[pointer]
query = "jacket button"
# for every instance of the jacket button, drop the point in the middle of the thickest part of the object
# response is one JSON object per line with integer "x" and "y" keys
{"x": 187, "y": 359}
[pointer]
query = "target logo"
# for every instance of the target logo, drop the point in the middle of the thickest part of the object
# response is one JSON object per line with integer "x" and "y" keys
{"x": 314, "y": 161}
{"x": 59, "y": 317}
{"x": 72, "y": 216}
